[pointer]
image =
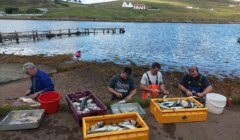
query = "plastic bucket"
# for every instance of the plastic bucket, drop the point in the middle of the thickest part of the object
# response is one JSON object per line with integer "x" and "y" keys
{"x": 50, "y": 101}
{"x": 215, "y": 103}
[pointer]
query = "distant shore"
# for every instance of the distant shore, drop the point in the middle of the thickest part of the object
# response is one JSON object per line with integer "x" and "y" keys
{"x": 194, "y": 21}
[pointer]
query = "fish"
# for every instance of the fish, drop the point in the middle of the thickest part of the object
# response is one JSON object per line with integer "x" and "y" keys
{"x": 85, "y": 105}
{"x": 102, "y": 127}
{"x": 29, "y": 101}
{"x": 179, "y": 104}
{"x": 122, "y": 101}
{"x": 24, "y": 118}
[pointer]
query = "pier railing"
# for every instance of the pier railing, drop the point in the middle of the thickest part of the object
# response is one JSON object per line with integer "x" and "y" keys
{"x": 37, "y": 34}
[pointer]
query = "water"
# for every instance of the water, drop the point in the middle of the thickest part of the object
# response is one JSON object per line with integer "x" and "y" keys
{"x": 211, "y": 47}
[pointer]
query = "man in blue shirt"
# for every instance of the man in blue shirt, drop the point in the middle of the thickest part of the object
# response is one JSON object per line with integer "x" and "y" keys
{"x": 41, "y": 82}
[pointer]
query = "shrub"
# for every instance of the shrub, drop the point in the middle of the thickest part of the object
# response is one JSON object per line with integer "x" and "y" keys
{"x": 11, "y": 10}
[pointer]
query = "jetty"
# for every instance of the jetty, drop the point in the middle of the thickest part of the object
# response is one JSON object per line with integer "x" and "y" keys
{"x": 48, "y": 34}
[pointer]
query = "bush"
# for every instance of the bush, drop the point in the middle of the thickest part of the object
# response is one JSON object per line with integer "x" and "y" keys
{"x": 33, "y": 11}
{"x": 63, "y": 4}
{"x": 11, "y": 10}
{"x": 236, "y": 98}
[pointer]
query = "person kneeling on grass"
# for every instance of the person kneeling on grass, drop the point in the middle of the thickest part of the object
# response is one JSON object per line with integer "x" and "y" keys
{"x": 195, "y": 84}
{"x": 41, "y": 82}
{"x": 152, "y": 83}
{"x": 122, "y": 87}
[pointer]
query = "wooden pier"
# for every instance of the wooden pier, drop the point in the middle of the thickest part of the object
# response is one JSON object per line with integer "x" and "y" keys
{"x": 36, "y": 35}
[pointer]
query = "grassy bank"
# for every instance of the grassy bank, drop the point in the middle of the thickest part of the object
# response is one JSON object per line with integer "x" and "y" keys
{"x": 165, "y": 11}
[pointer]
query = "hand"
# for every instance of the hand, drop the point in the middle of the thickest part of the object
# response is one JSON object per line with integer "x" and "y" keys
{"x": 189, "y": 93}
{"x": 128, "y": 98}
{"x": 200, "y": 95}
{"x": 166, "y": 92}
{"x": 27, "y": 93}
{"x": 35, "y": 95}
{"x": 119, "y": 95}
{"x": 155, "y": 90}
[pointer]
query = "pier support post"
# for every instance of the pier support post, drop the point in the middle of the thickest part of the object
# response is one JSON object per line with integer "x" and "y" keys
{"x": 1, "y": 38}
{"x": 17, "y": 37}
{"x": 34, "y": 37}
{"x": 69, "y": 32}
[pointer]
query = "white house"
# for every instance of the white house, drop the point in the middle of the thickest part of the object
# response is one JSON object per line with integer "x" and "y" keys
{"x": 125, "y": 5}
{"x": 43, "y": 10}
{"x": 139, "y": 7}
{"x": 72, "y": 1}
{"x": 2, "y": 13}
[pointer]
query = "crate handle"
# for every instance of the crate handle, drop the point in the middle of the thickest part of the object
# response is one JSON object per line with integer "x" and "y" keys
{"x": 184, "y": 117}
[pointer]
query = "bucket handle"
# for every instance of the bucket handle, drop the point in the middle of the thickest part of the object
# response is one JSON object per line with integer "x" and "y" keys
{"x": 216, "y": 105}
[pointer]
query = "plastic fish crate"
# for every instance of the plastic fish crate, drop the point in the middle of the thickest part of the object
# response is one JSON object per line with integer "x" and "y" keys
{"x": 119, "y": 108}
{"x": 133, "y": 134}
{"x": 7, "y": 122}
{"x": 178, "y": 115}
{"x": 78, "y": 117}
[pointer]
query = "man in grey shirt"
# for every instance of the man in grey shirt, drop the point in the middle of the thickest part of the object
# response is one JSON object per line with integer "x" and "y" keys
{"x": 122, "y": 86}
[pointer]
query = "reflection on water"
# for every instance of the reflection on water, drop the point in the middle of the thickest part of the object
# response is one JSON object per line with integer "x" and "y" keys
{"x": 212, "y": 47}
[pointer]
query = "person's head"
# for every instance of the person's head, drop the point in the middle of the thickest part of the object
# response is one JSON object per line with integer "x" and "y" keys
{"x": 155, "y": 68}
{"x": 30, "y": 69}
{"x": 127, "y": 71}
{"x": 193, "y": 71}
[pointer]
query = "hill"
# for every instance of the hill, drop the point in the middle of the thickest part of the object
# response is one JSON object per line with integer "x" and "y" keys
{"x": 158, "y": 11}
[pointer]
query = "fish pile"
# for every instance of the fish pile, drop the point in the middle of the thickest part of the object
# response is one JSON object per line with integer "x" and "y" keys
{"x": 24, "y": 119}
{"x": 30, "y": 101}
{"x": 123, "y": 110}
{"x": 179, "y": 104}
{"x": 85, "y": 105}
{"x": 102, "y": 127}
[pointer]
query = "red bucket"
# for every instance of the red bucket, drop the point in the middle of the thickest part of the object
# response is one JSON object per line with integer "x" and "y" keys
{"x": 50, "y": 101}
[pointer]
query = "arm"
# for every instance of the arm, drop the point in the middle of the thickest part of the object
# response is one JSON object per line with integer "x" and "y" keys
{"x": 132, "y": 93}
{"x": 205, "y": 91}
{"x": 185, "y": 90}
{"x": 48, "y": 84}
{"x": 162, "y": 89}
{"x": 112, "y": 91}
{"x": 208, "y": 88}
{"x": 111, "y": 87}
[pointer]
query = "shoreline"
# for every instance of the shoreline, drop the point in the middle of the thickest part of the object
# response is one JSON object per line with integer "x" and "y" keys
{"x": 66, "y": 59}
{"x": 64, "y": 64}
{"x": 193, "y": 21}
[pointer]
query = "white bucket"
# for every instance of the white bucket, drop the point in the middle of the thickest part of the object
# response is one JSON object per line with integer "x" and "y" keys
{"x": 215, "y": 103}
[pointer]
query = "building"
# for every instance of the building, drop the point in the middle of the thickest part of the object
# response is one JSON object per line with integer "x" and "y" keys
{"x": 139, "y": 7}
{"x": 43, "y": 10}
{"x": 2, "y": 13}
{"x": 125, "y": 5}
{"x": 72, "y": 1}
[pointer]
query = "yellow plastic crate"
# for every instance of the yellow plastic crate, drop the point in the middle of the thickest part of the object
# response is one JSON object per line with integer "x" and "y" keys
{"x": 133, "y": 134}
{"x": 178, "y": 115}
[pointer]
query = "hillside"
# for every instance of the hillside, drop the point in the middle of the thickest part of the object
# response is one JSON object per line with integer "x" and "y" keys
{"x": 160, "y": 10}
{"x": 26, "y": 3}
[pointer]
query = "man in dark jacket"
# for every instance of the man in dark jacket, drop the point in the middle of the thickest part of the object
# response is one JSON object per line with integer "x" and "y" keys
{"x": 41, "y": 82}
{"x": 195, "y": 84}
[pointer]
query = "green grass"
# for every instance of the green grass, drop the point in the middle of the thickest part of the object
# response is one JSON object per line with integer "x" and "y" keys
{"x": 169, "y": 10}
{"x": 5, "y": 109}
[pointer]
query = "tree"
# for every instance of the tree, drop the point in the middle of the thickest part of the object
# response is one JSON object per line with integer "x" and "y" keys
{"x": 11, "y": 10}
